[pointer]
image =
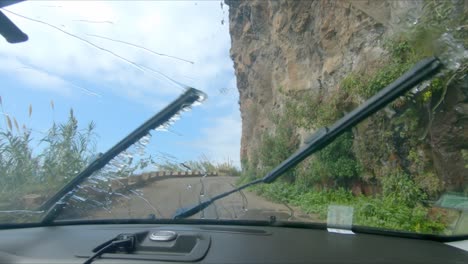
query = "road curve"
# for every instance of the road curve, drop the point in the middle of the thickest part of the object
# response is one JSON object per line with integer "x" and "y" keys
{"x": 162, "y": 198}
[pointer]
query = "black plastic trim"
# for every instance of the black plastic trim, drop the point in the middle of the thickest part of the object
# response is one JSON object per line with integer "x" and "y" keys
{"x": 300, "y": 225}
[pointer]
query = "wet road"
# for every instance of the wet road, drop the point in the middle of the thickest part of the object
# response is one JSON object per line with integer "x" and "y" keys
{"x": 162, "y": 198}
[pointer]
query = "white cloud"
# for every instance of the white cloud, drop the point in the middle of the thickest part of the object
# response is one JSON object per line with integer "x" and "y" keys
{"x": 221, "y": 140}
{"x": 181, "y": 29}
{"x": 35, "y": 78}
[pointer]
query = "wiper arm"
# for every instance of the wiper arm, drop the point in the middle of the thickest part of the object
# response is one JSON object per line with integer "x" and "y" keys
{"x": 185, "y": 100}
{"x": 324, "y": 136}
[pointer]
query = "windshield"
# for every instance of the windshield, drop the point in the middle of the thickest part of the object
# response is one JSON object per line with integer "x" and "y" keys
{"x": 268, "y": 75}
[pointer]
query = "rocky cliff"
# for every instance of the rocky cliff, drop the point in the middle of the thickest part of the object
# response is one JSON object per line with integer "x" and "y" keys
{"x": 294, "y": 51}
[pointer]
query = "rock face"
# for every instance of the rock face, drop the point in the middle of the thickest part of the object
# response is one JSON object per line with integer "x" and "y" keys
{"x": 285, "y": 47}
{"x": 299, "y": 45}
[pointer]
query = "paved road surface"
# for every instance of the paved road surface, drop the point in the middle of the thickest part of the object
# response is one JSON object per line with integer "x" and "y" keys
{"x": 163, "y": 197}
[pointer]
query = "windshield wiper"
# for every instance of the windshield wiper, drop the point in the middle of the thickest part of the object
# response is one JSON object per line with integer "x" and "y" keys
{"x": 54, "y": 205}
{"x": 324, "y": 136}
{"x": 8, "y": 29}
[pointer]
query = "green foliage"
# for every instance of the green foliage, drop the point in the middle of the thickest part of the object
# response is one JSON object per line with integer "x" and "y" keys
{"x": 337, "y": 159}
{"x": 400, "y": 50}
{"x": 226, "y": 168}
{"x": 202, "y": 165}
{"x": 423, "y": 172}
{"x": 279, "y": 191}
{"x": 464, "y": 153}
{"x": 366, "y": 85}
{"x": 382, "y": 78}
{"x": 276, "y": 147}
{"x": 249, "y": 170}
{"x": 67, "y": 152}
{"x": 301, "y": 113}
{"x": 372, "y": 145}
{"x": 400, "y": 189}
{"x": 17, "y": 166}
{"x": 62, "y": 153}
{"x": 317, "y": 202}
{"x": 311, "y": 111}
{"x": 332, "y": 108}
{"x": 384, "y": 211}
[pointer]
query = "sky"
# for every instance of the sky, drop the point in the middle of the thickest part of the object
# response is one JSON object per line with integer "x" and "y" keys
{"x": 75, "y": 57}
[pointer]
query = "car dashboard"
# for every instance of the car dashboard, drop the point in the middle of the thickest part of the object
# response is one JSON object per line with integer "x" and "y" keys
{"x": 174, "y": 243}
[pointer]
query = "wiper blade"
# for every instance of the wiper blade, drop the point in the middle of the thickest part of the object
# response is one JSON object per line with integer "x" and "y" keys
{"x": 324, "y": 136}
{"x": 8, "y": 29}
{"x": 52, "y": 206}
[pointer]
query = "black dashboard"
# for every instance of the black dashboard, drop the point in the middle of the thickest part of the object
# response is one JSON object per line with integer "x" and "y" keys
{"x": 219, "y": 244}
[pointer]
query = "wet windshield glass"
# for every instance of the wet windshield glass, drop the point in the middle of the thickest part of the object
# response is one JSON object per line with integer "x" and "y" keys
{"x": 271, "y": 74}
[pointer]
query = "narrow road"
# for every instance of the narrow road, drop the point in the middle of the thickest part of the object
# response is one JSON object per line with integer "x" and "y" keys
{"x": 162, "y": 198}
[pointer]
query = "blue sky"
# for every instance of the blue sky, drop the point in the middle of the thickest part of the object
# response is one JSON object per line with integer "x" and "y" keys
{"x": 114, "y": 93}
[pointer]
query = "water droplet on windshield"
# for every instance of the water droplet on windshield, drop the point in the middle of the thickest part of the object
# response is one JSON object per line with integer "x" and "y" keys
{"x": 187, "y": 108}
{"x": 145, "y": 140}
{"x": 162, "y": 128}
{"x": 454, "y": 51}
{"x": 122, "y": 195}
{"x": 78, "y": 198}
{"x": 197, "y": 103}
{"x": 175, "y": 118}
{"x": 201, "y": 97}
